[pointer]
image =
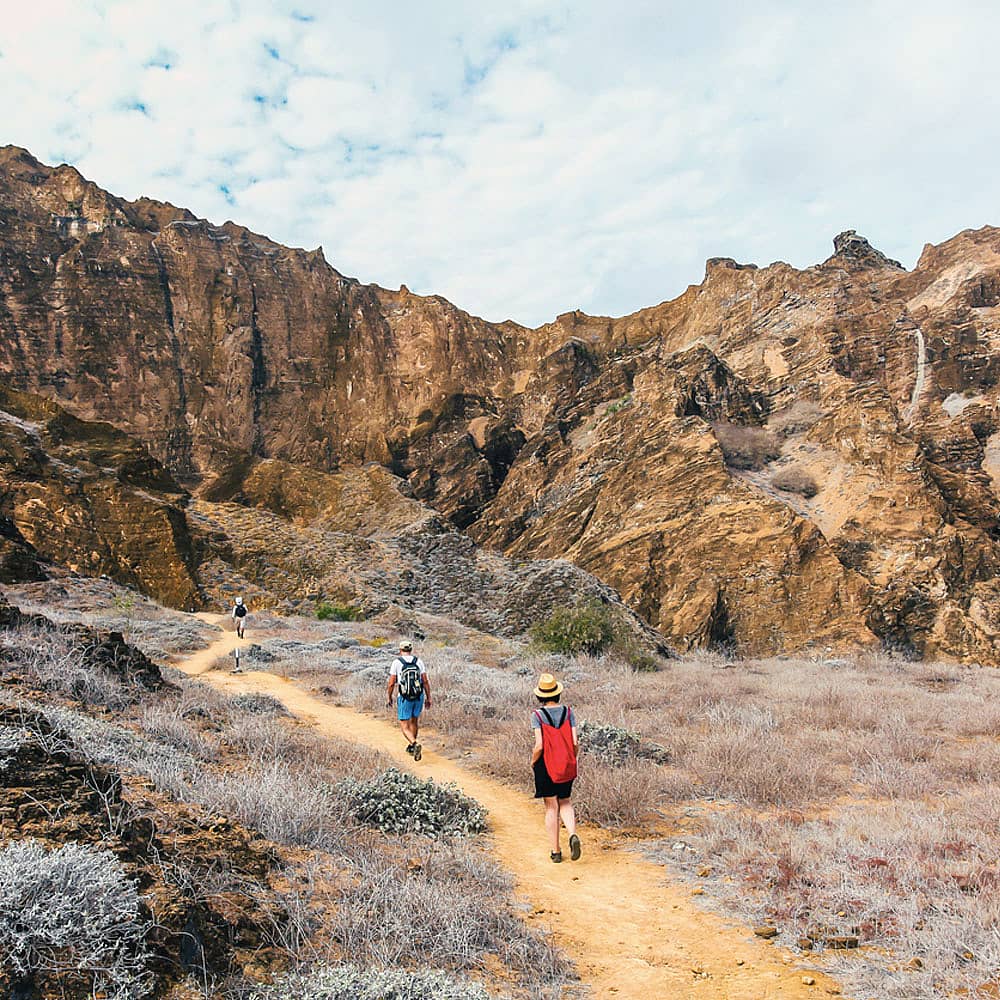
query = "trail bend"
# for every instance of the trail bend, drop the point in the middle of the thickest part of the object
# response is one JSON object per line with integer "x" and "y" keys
{"x": 631, "y": 934}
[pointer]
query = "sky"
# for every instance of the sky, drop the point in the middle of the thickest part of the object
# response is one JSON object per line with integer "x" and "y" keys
{"x": 528, "y": 157}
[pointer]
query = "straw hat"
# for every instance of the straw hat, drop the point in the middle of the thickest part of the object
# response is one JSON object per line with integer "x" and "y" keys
{"x": 548, "y": 687}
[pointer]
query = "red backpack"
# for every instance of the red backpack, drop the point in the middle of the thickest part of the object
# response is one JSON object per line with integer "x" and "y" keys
{"x": 558, "y": 751}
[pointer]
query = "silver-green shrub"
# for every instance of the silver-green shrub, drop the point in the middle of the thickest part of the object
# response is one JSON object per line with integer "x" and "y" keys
{"x": 11, "y": 740}
{"x": 71, "y": 912}
{"x": 351, "y": 983}
{"x": 397, "y": 802}
{"x": 257, "y": 703}
{"x": 616, "y": 745}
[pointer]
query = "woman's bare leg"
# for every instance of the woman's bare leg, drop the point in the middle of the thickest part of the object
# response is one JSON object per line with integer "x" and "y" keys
{"x": 552, "y": 821}
{"x": 568, "y": 815}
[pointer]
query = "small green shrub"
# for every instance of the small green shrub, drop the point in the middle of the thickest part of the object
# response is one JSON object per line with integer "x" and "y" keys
{"x": 349, "y": 982}
{"x": 339, "y": 613}
{"x": 617, "y": 746}
{"x": 399, "y": 802}
{"x": 620, "y": 405}
{"x": 586, "y": 628}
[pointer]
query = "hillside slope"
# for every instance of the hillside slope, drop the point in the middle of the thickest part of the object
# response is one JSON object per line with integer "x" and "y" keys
{"x": 776, "y": 458}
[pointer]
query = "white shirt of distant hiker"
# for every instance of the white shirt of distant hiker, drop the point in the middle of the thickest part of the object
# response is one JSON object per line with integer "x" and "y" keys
{"x": 397, "y": 666}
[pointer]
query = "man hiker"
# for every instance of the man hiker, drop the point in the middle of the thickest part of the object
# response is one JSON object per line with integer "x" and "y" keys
{"x": 553, "y": 761}
{"x": 408, "y": 679}
{"x": 240, "y": 616}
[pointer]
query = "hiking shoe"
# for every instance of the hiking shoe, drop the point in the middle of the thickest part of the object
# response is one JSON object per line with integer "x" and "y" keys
{"x": 574, "y": 848}
{"x": 417, "y": 751}
{"x": 556, "y": 857}
{"x": 410, "y": 747}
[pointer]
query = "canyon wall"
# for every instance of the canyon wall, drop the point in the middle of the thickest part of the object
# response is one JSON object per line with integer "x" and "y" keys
{"x": 777, "y": 459}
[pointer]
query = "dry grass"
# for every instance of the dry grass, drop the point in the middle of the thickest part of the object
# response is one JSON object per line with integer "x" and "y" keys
{"x": 51, "y": 660}
{"x": 819, "y": 793}
{"x": 800, "y": 774}
{"x": 159, "y": 632}
{"x": 241, "y": 758}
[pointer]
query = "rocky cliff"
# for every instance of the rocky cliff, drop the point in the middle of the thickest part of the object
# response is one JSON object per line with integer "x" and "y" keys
{"x": 85, "y": 495}
{"x": 776, "y": 459}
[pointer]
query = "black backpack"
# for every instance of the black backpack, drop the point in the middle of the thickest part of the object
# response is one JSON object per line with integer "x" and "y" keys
{"x": 411, "y": 685}
{"x": 240, "y": 611}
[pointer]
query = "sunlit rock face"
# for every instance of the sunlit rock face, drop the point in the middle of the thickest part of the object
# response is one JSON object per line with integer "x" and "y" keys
{"x": 83, "y": 495}
{"x": 777, "y": 459}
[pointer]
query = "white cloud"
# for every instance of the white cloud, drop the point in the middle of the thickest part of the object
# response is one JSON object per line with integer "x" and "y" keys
{"x": 526, "y": 158}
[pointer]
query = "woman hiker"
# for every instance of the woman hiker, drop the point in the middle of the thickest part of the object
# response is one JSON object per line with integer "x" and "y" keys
{"x": 554, "y": 762}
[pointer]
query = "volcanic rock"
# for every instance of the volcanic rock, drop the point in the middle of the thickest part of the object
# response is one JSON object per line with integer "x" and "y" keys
{"x": 849, "y": 246}
{"x": 50, "y": 793}
{"x": 83, "y": 494}
{"x": 591, "y": 439}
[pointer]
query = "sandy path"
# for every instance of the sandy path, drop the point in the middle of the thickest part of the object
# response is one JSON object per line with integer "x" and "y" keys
{"x": 630, "y": 933}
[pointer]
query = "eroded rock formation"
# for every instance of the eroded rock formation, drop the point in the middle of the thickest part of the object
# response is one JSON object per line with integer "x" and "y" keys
{"x": 85, "y": 495}
{"x": 858, "y": 506}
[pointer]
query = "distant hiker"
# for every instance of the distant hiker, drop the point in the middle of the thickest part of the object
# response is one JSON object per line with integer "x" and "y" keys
{"x": 240, "y": 616}
{"x": 554, "y": 762}
{"x": 408, "y": 678}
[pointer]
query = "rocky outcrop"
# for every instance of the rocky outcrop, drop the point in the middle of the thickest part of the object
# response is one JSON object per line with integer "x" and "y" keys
{"x": 299, "y": 537}
{"x": 97, "y": 649}
{"x": 211, "y": 344}
{"x": 849, "y": 246}
{"x": 83, "y": 494}
{"x": 593, "y": 439}
{"x": 51, "y": 794}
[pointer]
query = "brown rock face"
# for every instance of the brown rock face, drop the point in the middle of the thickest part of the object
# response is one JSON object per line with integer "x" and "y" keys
{"x": 298, "y": 537}
{"x": 244, "y": 347}
{"x": 776, "y": 459}
{"x": 84, "y": 494}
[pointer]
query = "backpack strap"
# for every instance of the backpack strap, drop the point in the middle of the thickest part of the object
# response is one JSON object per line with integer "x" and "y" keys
{"x": 565, "y": 716}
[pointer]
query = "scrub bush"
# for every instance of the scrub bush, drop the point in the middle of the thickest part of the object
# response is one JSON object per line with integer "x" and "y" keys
{"x": 746, "y": 447}
{"x": 616, "y": 745}
{"x": 258, "y": 703}
{"x": 796, "y": 480}
{"x": 398, "y": 802}
{"x": 351, "y": 983}
{"x": 70, "y": 915}
{"x": 586, "y": 628}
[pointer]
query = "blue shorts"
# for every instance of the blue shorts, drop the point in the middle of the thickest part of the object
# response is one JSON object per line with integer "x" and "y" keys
{"x": 409, "y": 709}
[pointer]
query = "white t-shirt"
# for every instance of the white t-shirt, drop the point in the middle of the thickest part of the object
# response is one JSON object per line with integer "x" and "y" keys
{"x": 397, "y": 666}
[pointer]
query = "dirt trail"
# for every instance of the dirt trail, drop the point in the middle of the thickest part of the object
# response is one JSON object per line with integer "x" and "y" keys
{"x": 630, "y": 933}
